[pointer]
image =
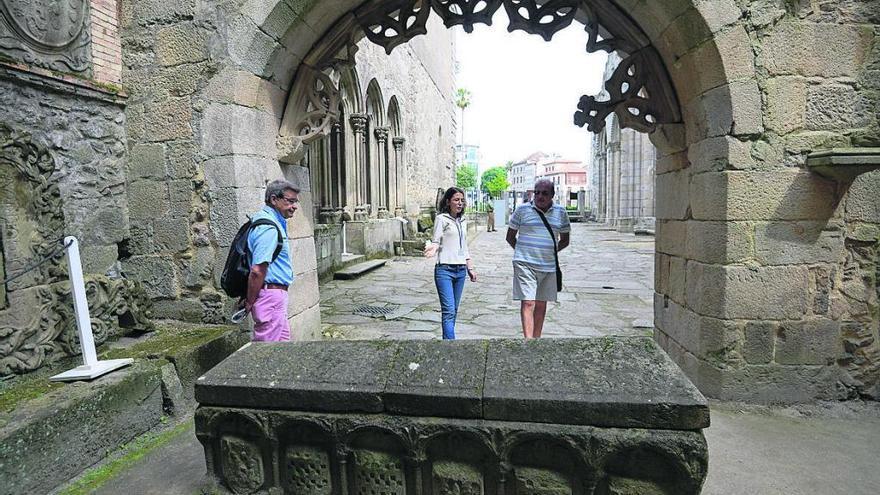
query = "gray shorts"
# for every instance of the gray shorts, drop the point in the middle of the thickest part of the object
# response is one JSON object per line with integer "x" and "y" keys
{"x": 532, "y": 285}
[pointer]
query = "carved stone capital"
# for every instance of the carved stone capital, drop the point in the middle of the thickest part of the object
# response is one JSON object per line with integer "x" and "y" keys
{"x": 398, "y": 142}
{"x": 290, "y": 149}
{"x": 381, "y": 134}
{"x": 358, "y": 122}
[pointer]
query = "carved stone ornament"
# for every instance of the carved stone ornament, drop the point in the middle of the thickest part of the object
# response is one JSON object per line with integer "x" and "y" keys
{"x": 389, "y": 23}
{"x": 632, "y": 96}
{"x": 358, "y": 122}
{"x": 381, "y": 134}
{"x": 640, "y": 88}
{"x": 544, "y": 19}
{"x": 319, "y": 98}
{"x": 398, "y": 142}
{"x": 52, "y": 34}
{"x": 38, "y": 326}
{"x": 466, "y": 12}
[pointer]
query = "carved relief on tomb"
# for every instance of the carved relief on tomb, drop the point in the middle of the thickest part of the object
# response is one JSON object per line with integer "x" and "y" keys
{"x": 38, "y": 325}
{"x": 406, "y": 455}
{"x": 51, "y": 34}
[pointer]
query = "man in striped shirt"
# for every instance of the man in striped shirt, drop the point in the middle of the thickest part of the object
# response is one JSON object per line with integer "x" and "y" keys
{"x": 534, "y": 261}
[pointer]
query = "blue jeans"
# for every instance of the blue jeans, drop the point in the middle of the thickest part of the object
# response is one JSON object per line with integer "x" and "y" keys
{"x": 449, "y": 280}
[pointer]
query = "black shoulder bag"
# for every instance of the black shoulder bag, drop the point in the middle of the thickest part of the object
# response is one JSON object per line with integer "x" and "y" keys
{"x": 555, "y": 253}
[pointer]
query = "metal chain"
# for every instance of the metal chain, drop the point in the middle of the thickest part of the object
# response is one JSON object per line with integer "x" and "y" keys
{"x": 58, "y": 251}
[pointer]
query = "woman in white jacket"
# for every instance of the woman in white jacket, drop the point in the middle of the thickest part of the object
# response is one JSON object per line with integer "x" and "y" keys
{"x": 449, "y": 244}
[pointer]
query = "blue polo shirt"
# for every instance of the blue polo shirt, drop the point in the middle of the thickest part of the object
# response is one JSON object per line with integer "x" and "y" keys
{"x": 533, "y": 242}
{"x": 262, "y": 241}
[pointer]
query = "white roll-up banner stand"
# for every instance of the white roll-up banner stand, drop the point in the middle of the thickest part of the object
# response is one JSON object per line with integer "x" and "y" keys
{"x": 92, "y": 368}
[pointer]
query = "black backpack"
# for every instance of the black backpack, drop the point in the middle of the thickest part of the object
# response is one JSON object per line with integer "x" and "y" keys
{"x": 237, "y": 268}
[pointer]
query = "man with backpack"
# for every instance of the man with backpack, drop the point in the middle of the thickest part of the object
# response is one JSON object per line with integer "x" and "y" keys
{"x": 267, "y": 254}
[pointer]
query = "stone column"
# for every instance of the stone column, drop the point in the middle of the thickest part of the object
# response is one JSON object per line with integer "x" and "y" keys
{"x": 325, "y": 171}
{"x": 358, "y": 168}
{"x": 380, "y": 192}
{"x": 400, "y": 175}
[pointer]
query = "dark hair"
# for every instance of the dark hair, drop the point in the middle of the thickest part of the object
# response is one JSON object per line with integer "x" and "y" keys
{"x": 447, "y": 196}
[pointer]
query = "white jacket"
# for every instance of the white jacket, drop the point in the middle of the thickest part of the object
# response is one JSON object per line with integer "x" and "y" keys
{"x": 451, "y": 234}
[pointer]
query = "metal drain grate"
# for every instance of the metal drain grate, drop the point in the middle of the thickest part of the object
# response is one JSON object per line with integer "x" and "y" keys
{"x": 374, "y": 311}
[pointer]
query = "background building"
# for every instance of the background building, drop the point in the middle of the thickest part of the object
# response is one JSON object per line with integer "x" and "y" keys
{"x": 568, "y": 177}
{"x": 622, "y": 172}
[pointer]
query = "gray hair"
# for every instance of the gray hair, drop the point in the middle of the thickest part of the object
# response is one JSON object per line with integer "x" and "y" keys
{"x": 545, "y": 181}
{"x": 277, "y": 187}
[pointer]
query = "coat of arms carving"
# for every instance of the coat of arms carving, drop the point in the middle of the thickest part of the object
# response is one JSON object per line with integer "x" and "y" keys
{"x": 51, "y": 34}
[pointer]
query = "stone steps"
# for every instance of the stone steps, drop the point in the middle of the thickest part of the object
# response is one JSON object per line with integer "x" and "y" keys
{"x": 355, "y": 271}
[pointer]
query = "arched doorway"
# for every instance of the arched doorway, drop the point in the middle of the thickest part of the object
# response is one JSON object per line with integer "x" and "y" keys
{"x": 742, "y": 298}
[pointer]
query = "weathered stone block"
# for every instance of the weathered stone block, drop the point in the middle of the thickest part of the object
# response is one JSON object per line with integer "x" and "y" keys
{"x": 148, "y": 12}
{"x": 234, "y": 129}
{"x": 239, "y": 171}
{"x": 774, "y": 293}
{"x": 661, "y": 273}
{"x": 62, "y": 425}
{"x": 306, "y": 325}
{"x": 147, "y": 199}
{"x": 816, "y": 49}
{"x": 168, "y": 119}
{"x": 302, "y": 224}
{"x": 302, "y": 252}
{"x": 788, "y": 243}
{"x": 171, "y": 234}
{"x": 836, "y": 107}
{"x": 250, "y": 48}
{"x": 720, "y": 153}
{"x": 181, "y": 157}
{"x": 156, "y": 274}
{"x": 303, "y": 294}
{"x": 670, "y": 234}
{"x": 720, "y": 242}
{"x": 147, "y": 161}
{"x": 672, "y": 195}
{"x": 180, "y": 44}
{"x": 814, "y": 341}
{"x": 677, "y": 278}
{"x": 786, "y": 104}
{"x": 770, "y": 195}
{"x": 862, "y": 204}
{"x": 758, "y": 342}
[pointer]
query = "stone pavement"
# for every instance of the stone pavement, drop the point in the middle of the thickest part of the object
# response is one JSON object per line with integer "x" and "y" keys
{"x": 609, "y": 279}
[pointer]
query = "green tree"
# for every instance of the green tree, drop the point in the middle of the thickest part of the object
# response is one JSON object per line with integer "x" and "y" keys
{"x": 494, "y": 181}
{"x": 466, "y": 176}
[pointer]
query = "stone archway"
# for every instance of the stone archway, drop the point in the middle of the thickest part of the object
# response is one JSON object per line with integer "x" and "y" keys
{"x": 743, "y": 291}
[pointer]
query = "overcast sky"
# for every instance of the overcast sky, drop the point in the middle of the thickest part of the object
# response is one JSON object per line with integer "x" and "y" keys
{"x": 524, "y": 91}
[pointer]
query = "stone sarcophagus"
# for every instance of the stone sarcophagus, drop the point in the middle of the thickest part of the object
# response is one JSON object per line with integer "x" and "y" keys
{"x": 500, "y": 417}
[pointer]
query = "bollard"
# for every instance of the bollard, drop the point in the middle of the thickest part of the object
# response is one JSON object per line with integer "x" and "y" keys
{"x": 92, "y": 367}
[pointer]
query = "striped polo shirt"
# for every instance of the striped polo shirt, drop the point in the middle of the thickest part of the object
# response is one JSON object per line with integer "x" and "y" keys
{"x": 533, "y": 242}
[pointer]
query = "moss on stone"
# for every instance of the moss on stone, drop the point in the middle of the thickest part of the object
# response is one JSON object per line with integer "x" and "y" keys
{"x": 128, "y": 454}
{"x": 23, "y": 389}
{"x": 168, "y": 341}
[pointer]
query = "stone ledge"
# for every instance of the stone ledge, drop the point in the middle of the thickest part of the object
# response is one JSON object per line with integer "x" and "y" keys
{"x": 609, "y": 382}
{"x": 844, "y": 164}
{"x": 81, "y": 422}
{"x": 61, "y": 83}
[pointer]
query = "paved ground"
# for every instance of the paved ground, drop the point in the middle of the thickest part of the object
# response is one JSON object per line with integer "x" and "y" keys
{"x": 609, "y": 280}
{"x": 820, "y": 449}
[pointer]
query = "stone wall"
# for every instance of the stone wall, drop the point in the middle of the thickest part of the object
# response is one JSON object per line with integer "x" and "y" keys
{"x": 420, "y": 74}
{"x": 766, "y": 273}
{"x": 62, "y": 168}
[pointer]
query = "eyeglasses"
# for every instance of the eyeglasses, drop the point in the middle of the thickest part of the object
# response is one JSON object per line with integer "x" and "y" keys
{"x": 543, "y": 193}
{"x": 290, "y": 201}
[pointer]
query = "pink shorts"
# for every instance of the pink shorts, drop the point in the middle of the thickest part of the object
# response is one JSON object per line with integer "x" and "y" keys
{"x": 270, "y": 316}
